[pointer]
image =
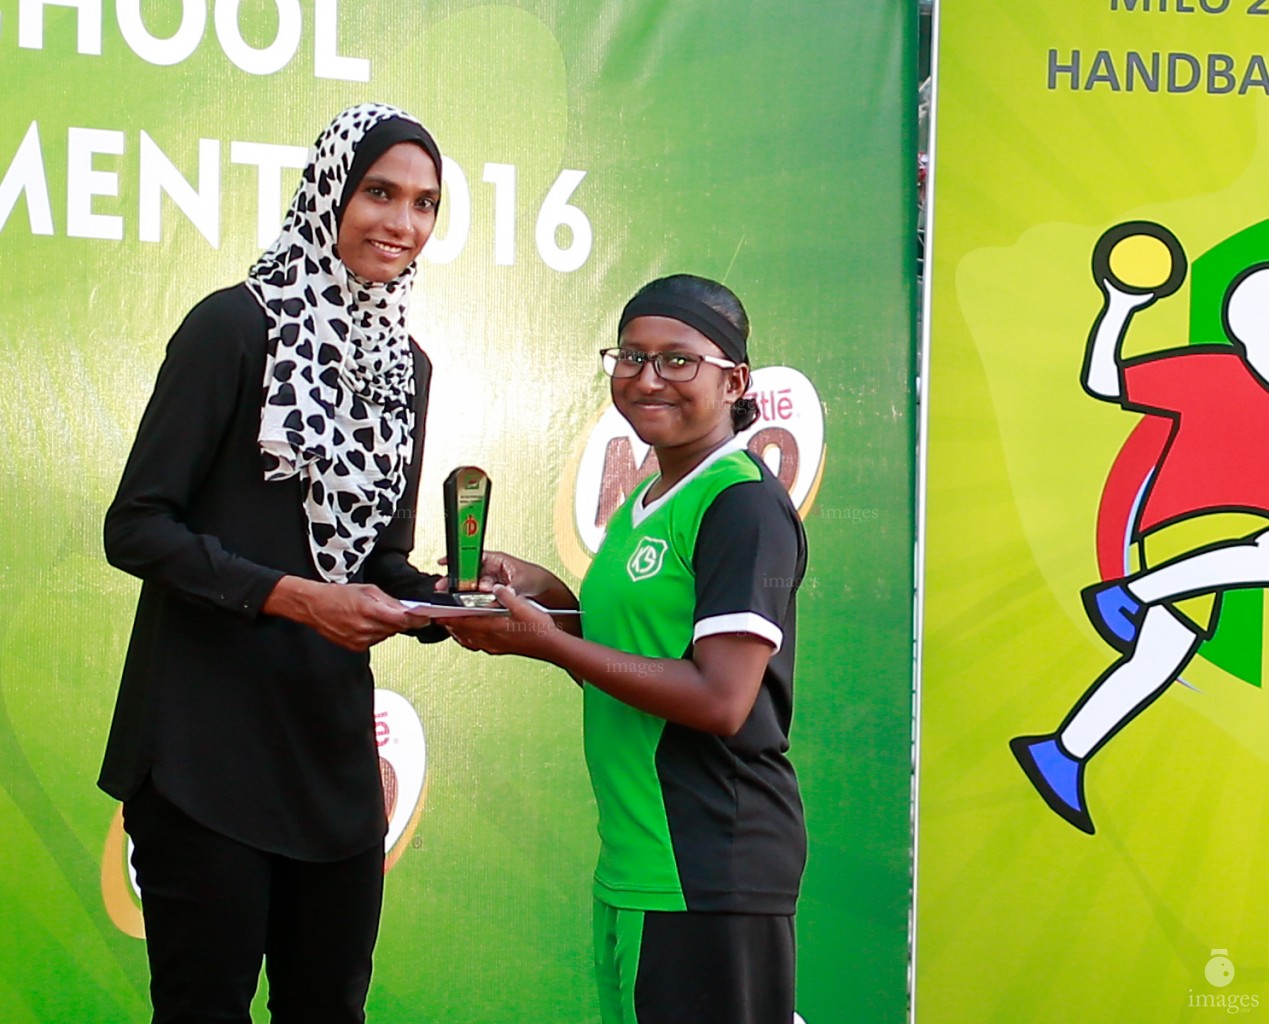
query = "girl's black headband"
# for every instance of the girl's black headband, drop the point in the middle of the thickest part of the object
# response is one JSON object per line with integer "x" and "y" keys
{"x": 696, "y": 314}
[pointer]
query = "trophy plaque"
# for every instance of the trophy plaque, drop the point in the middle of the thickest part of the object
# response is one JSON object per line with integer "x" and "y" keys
{"x": 466, "y": 513}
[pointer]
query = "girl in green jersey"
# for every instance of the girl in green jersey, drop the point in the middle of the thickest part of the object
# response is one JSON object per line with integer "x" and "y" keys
{"x": 685, "y": 655}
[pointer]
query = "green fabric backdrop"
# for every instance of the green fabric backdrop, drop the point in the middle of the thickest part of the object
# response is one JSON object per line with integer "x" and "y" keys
{"x": 765, "y": 144}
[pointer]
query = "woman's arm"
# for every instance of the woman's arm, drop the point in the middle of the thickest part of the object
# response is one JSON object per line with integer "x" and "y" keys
{"x": 181, "y": 433}
{"x": 177, "y": 441}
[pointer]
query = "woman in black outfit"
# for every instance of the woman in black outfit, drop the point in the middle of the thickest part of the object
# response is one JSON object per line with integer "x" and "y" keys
{"x": 267, "y": 506}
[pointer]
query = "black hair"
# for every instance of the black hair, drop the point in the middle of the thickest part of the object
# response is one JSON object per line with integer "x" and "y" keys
{"x": 723, "y": 301}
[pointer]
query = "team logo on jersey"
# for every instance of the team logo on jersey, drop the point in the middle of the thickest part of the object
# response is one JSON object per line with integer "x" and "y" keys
{"x": 647, "y": 558}
{"x": 612, "y": 460}
{"x": 402, "y": 768}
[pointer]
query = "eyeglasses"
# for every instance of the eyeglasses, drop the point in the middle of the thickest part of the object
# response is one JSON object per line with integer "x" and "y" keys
{"x": 677, "y": 367}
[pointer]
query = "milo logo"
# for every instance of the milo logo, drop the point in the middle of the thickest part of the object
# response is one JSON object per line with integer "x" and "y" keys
{"x": 402, "y": 768}
{"x": 788, "y": 436}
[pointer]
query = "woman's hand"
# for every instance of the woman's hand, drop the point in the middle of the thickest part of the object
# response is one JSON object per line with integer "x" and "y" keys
{"x": 526, "y": 631}
{"x": 355, "y": 616}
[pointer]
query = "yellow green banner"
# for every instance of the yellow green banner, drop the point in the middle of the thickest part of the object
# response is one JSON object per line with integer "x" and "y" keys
{"x": 1094, "y": 730}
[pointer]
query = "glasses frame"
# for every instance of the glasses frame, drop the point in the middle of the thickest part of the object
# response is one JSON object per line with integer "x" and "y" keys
{"x": 655, "y": 359}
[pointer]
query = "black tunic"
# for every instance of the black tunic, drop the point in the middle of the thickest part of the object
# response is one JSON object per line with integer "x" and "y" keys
{"x": 254, "y": 725}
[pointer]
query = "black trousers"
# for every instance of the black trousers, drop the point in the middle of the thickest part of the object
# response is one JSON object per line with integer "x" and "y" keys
{"x": 214, "y": 907}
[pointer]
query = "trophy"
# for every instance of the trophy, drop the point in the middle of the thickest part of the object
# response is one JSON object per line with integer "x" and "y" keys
{"x": 466, "y": 512}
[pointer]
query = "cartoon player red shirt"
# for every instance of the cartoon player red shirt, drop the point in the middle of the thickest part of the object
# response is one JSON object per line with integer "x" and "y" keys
{"x": 1217, "y": 402}
{"x": 1202, "y": 525}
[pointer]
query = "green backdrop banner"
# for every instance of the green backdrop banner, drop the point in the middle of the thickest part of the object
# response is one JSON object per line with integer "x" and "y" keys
{"x": 146, "y": 154}
{"x": 1100, "y": 194}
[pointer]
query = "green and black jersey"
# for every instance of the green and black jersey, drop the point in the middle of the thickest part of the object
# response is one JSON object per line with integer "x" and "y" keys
{"x": 688, "y": 820}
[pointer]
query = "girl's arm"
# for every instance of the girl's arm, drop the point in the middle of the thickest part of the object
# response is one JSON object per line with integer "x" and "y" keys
{"x": 749, "y": 559}
{"x": 713, "y": 692}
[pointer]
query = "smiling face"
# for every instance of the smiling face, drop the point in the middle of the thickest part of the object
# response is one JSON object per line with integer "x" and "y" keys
{"x": 391, "y": 214}
{"x": 690, "y": 415}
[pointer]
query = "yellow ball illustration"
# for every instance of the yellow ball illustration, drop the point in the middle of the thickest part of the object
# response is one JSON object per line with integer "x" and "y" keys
{"x": 1141, "y": 261}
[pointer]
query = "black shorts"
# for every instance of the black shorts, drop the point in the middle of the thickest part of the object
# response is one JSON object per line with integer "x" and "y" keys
{"x": 681, "y": 967}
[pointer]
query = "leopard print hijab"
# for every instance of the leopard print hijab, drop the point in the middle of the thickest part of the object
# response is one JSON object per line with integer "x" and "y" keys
{"x": 338, "y": 407}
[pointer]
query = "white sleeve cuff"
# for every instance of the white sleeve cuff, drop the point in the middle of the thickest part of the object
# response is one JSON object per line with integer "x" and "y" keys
{"x": 740, "y": 622}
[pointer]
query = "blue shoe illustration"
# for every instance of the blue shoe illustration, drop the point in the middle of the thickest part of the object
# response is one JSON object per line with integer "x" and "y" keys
{"x": 1057, "y": 776}
{"x": 1114, "y": 613}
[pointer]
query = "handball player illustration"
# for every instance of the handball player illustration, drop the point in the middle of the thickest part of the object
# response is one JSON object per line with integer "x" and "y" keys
{"x": 1199, "y": 524}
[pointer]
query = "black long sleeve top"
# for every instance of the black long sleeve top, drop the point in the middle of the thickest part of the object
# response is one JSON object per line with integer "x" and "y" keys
{"x": 255, "y": 726}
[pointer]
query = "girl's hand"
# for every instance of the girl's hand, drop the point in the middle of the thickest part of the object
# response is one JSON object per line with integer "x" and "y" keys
{"x": 527, "y": 630}
{"x": 525, "y": 578}
{"x": 497, "y": 567}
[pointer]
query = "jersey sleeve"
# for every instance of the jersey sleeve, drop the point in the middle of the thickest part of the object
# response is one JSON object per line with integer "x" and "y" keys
{"x": 749, "y": 559}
